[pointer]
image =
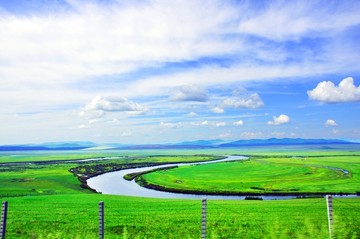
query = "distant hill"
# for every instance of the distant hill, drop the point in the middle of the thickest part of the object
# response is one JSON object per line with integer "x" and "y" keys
{"x": 198, "y": 144}
{"x": 284, "y": 141}
{"x": 49, "y": 146}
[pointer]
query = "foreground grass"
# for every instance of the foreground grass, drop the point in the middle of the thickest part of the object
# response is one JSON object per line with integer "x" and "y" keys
{"x": 76, "y": 216}
{"x": 264, "y": 174}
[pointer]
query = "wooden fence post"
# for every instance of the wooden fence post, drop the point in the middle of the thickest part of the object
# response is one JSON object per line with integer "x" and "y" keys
{"x": 330, "y": 214}
{"x": 4, "y": 210}
{"x": 203, "y": 219}
{"x": 101, "y": 220}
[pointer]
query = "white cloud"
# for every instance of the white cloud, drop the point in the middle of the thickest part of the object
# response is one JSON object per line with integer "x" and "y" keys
{"x": 83, "y": 126}
{"x": 190, "y": 93}
{"x": 220, "y": 124}
{"x": 328, "y": 92}
{"x": 330, "y": 123}
{"x": 170, "y": 125}
{"x": 192, "y": 114}
{"x": 280, "y": 22}
{"x": 218, "y": 110}
{"x": 91, "y": 114}
{"x": 101, "y": 104}
{"x": 126, "y": 134}
{"x": 250, "y": 101}
{"x": 281, "y": 119}
{"x": 205, "y": 122}
{"x": 113, "y": 104}
{"x": 238, "y": 123}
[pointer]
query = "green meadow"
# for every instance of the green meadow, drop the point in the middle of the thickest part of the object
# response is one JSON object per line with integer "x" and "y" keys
{"x": 278, "y": 174}
{"x": 47, "y": 197}
{"x": 76, "y": 216}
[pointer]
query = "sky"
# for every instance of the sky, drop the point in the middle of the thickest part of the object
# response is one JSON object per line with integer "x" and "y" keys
{"x": 159, "y": 71}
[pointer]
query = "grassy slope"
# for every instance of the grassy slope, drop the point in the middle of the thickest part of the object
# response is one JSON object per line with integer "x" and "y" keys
{"x": 265, "y": 175}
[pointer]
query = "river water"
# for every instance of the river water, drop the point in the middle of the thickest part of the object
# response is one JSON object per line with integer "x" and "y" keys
{"x": 114, "y": 183}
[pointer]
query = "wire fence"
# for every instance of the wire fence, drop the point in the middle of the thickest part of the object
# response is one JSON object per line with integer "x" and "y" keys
{"x": 298, "y": 218}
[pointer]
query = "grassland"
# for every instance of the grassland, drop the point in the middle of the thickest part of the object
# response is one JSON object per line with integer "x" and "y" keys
{"x": 58, "y": 177}
{"x": 75, "y": 216}
{"x": 279, "y": 174}
{"x": 46, "y": 200}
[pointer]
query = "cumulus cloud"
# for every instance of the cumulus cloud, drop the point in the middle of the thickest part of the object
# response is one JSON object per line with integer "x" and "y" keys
{"x": 248, "y": 101}
{"x": 101, "y": 104}
{"x": 328, "y": 92}
{"x": 330, "y": 122}
{"x": 281, "y": 119}
{"x": 190, "y": 93}
{"x": 218, "y": 110}
{"x": 238, "y": 123}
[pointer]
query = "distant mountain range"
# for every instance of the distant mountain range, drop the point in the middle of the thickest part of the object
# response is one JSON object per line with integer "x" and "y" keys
{"x": 49, "y": 146}
{"x": 199, "y": 144}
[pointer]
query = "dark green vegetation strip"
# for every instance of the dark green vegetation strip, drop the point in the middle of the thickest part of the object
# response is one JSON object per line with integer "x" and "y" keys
{"x": 263, "y": 175}
{"x": 76, "y": 216}
{"x": 132, "y": 176}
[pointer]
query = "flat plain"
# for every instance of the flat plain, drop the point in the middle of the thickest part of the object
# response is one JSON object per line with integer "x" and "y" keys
{"x": 46, "y": 199}
{"x": 265, "y": 174}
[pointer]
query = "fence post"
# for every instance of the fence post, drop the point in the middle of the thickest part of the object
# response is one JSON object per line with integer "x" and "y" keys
{"x": 101, "y": 220}
{"x": 330, "y": 214}
{"x": 203, "y": 219}
{"x": 4, "y": 210}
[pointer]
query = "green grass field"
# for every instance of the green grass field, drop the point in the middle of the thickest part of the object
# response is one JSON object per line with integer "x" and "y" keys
{"x": 76, "y": 216}
{"x": 47, "y": 201}
{"x": 55, "y": 178}
{"x": 316, "y": 173}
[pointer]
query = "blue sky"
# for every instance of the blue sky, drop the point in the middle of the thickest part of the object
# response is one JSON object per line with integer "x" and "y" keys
{"x": 170, "y": 71}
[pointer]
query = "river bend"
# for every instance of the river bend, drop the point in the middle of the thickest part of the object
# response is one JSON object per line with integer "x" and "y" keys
{"x": 114, "y": 183}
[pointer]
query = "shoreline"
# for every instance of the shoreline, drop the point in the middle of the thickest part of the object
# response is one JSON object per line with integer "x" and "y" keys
{"x": 145, "y": 184}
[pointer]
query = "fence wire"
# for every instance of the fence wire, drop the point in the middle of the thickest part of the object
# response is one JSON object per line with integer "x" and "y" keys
{"x": 300, "y": 218}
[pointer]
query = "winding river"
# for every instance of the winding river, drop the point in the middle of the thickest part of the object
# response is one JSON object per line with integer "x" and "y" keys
{"x": 114, "y": 183}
